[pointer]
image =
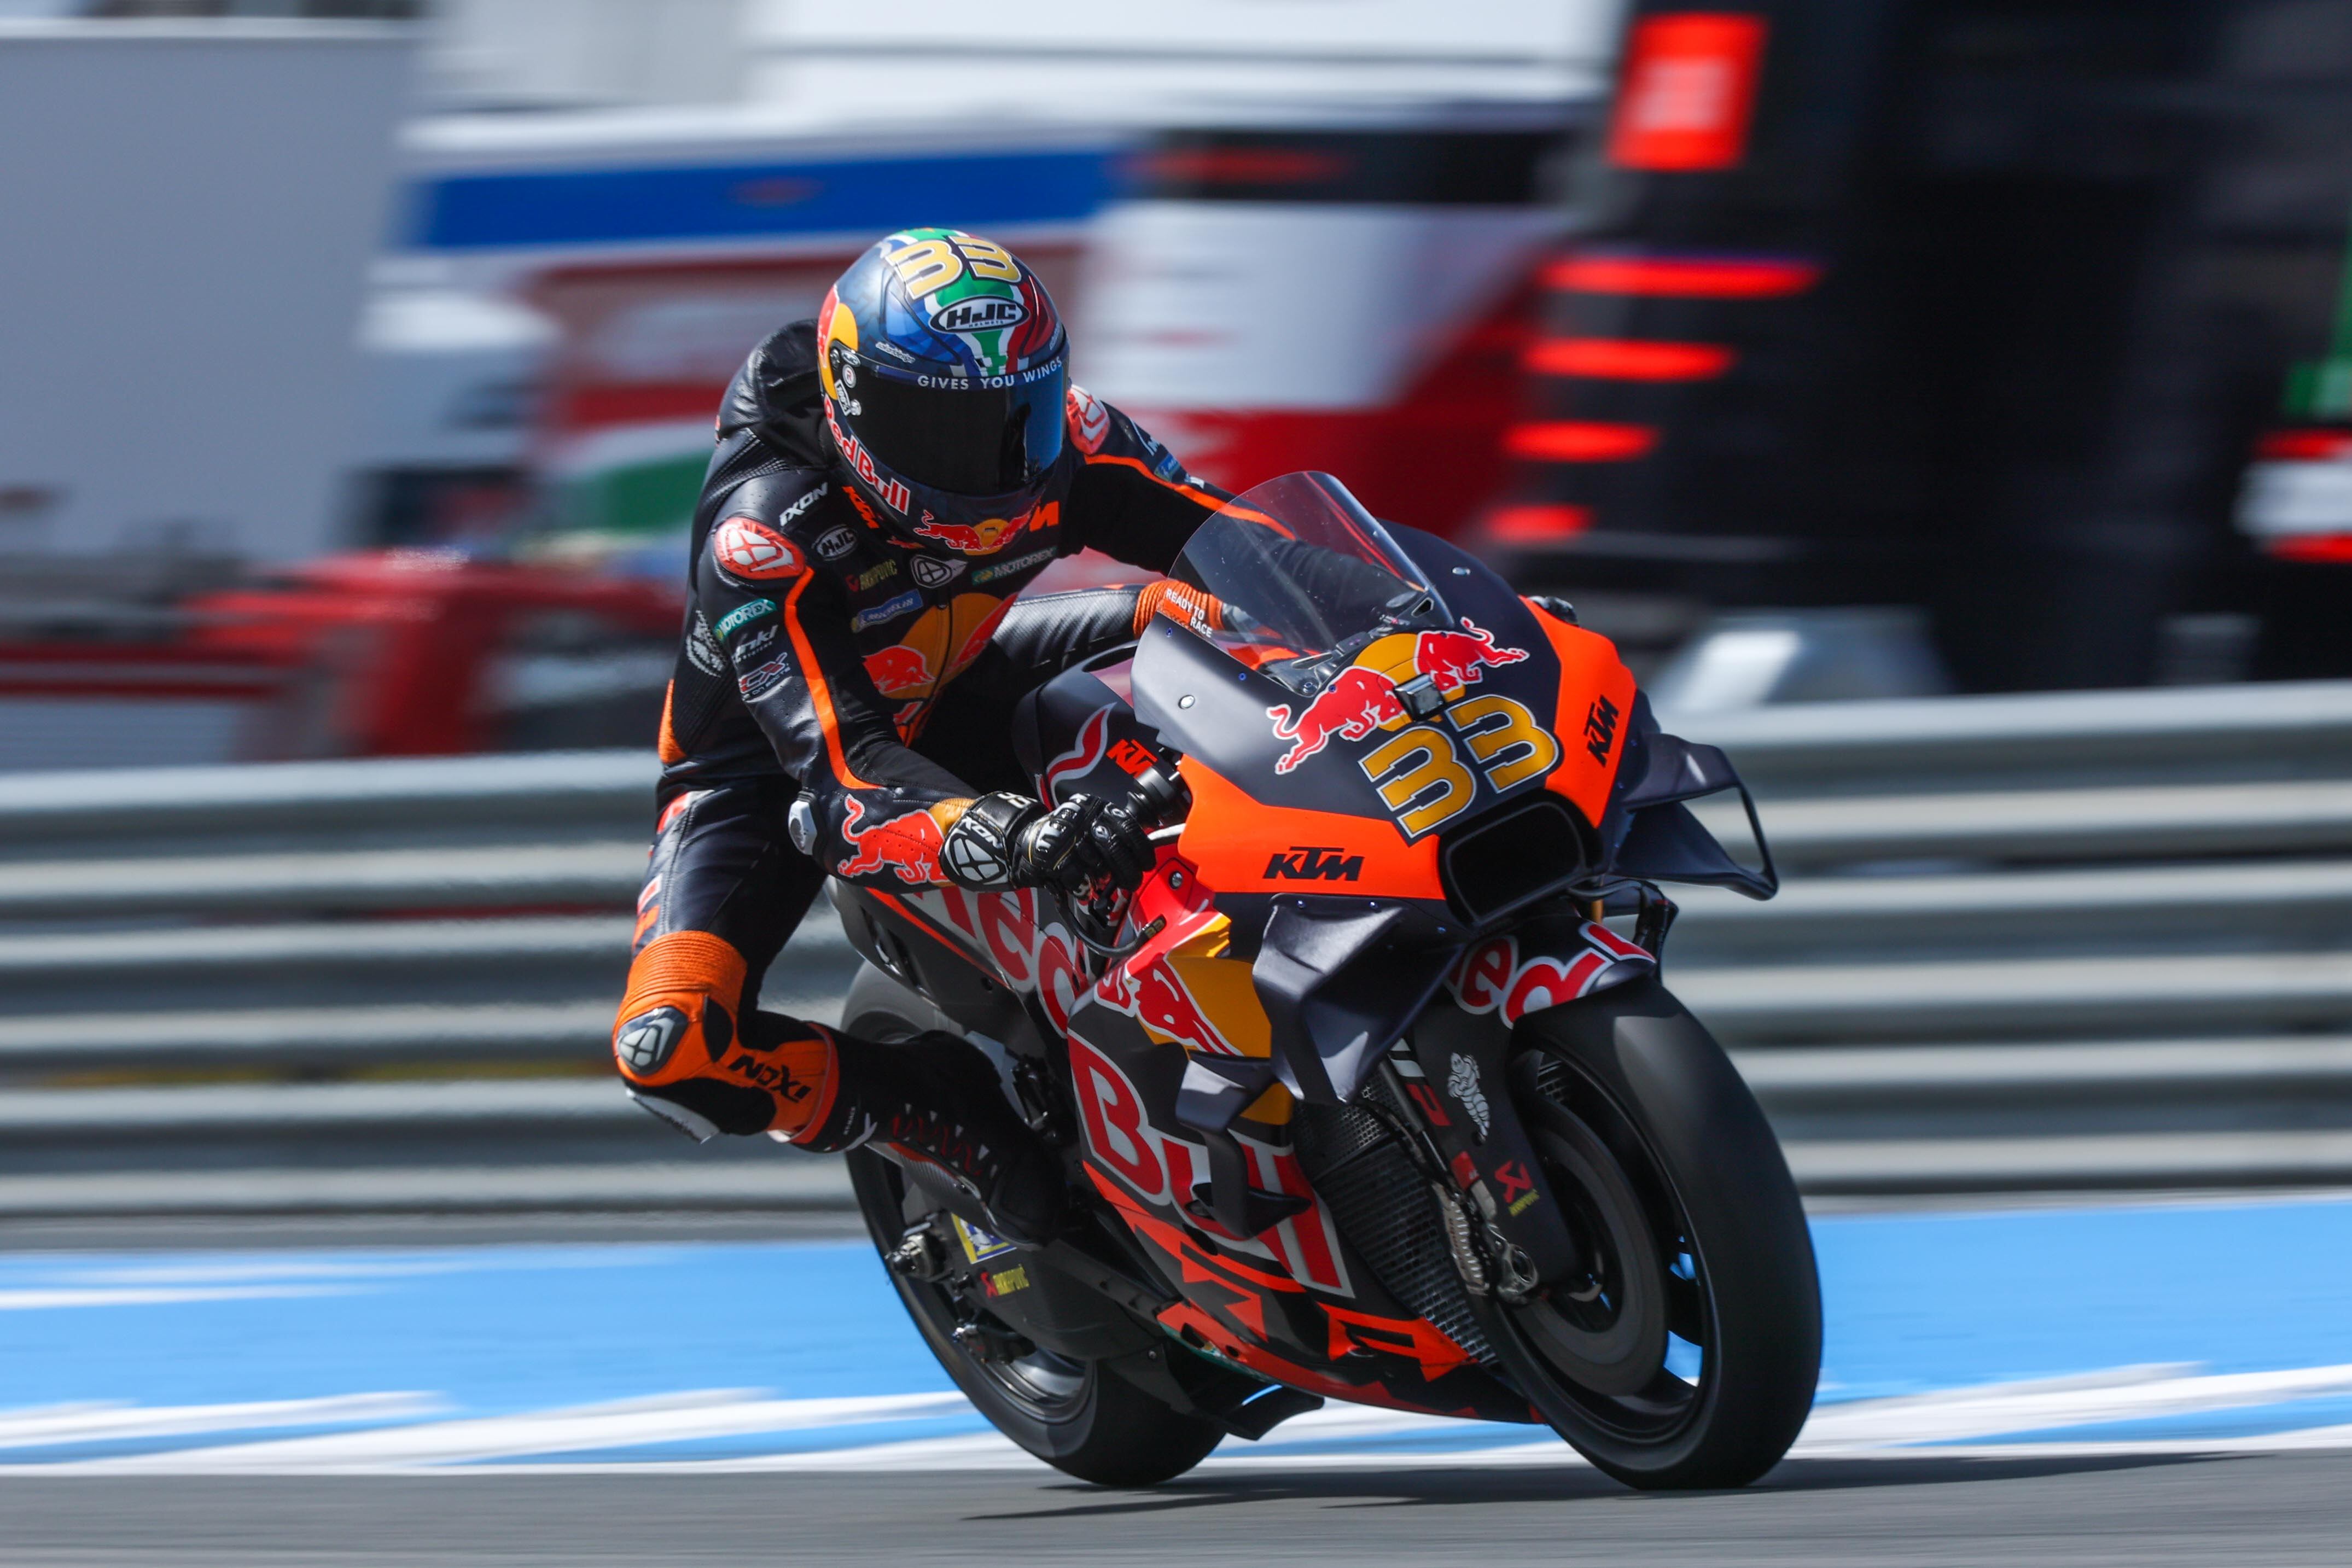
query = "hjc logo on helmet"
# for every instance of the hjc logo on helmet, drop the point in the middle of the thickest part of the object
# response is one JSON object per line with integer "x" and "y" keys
{"x": 985, "y": 314}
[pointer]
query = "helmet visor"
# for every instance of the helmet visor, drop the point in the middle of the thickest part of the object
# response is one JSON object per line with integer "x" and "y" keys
{"x": 976, "y": 440}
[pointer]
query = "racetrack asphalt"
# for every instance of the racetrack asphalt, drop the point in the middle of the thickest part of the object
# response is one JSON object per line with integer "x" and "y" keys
{"x": 2022, "y": 1386}
{"x": 2085, "y": 1512}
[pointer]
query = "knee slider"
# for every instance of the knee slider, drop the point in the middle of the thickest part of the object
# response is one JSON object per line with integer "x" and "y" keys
{"x": 677, "y": 1017}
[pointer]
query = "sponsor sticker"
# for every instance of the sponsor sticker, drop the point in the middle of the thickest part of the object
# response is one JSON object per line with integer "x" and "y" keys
{"x": 888, "y": 608}
{"x": 929, "y": 571}
{"x": 755, "y": 643}
{"x": 1314, "y": 862}
{"x": 834, "y": 543}
{"x": 875, "y": 574}
{"x": 906, "y": 845}
{"x": 1463, "y": 1085}
{"x": 753, "y": 683}
{"x": 1007, "y": 568}
{"x": 899, "y": 668}
{"x": 745, "y": 613}
{"x": 979, "y": 1245}
{"x": 981, "y": 313}
{"x": 1601, "y": 729}
{"x": 1362, "y": 699}
{"x": 803, "y": 505}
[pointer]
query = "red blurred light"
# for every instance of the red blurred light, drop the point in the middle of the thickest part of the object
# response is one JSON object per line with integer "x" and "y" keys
{"x": 1686, "y": 277}
{"x": 2306, "y": 445}
{"x": 1689, "y": 87}
{"x": 1240, "y": 166}
{"x": 2331, "y": 548}
{"x": 1625, "y": 360}
{"x": 1578, "y": 441}
{"x": 1531, "y": 525}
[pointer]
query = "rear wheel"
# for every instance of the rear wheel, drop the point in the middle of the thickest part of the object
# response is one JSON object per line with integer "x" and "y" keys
{"x": 1073, "y": 1413}
{"x": 1688, "y": 1356}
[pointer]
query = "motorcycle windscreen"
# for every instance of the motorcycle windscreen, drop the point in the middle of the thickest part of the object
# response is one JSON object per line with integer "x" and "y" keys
{"x": 1302, "y": 570}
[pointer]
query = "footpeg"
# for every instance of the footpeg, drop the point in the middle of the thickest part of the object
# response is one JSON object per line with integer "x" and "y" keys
{"x": 985, "y": 1342}
{"x": 921, "y": 1254}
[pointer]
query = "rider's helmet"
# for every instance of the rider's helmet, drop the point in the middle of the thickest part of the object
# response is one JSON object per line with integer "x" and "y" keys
{"x": 944, "y": 367}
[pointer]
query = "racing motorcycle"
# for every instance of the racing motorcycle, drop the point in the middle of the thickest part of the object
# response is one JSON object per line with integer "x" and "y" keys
{"x": 1364, "y": 1096}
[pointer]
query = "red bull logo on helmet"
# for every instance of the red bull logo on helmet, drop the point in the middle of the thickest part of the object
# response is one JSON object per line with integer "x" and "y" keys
{"x": 1364, "y": 697}
{"x": 908, "y": 846}
{"x": 892, "y": 490}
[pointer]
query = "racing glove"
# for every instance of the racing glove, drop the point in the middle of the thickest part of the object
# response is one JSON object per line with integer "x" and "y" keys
{"x": 1009, "y": 841}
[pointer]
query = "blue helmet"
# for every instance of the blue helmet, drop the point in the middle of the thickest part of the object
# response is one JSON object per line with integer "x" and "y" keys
{"x": 945, "y": 371}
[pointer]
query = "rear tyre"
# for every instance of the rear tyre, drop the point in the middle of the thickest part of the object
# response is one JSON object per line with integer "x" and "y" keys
{"x": 1075, "y": 1414}
{"x": 1689, "y": 1357}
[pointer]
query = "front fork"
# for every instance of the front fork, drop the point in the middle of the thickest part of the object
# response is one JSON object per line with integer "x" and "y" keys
{"x": 1508, "y": 1235}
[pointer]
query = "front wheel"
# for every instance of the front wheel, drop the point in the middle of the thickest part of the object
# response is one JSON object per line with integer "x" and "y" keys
{"x": 1689, "y": 1355}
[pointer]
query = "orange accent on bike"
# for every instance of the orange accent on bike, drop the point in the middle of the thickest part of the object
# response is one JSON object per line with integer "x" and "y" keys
{"x": 1596, "y": 700}
{"x": 1234, "y": 839}
{"x": 1436, "y": 1354}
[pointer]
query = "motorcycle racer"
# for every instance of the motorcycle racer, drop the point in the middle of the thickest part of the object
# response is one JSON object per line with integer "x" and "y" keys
{"x": 887, "y": 478}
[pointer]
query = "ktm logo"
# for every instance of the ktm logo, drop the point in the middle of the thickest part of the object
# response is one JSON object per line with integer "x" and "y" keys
{"x": 1313, "y": 862}
{"x": 1601, "y": 729}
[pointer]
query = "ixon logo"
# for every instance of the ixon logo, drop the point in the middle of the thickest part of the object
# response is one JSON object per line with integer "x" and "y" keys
{"x": 1314, "y": 863}
{"x": 983, "y": 315}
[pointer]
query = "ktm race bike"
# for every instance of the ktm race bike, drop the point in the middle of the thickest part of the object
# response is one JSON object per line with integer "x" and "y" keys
{"x": 1365, "y": 1097}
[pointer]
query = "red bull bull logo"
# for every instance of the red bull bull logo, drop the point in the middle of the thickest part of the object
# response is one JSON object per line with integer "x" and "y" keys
{"x": 1456, "y": 658}
{"x": 1363, "y": 699}
{"x": 1353, "y": 706}
{"x": 908, "y": 846}
{"x": 983, "y": 538}
{"x": 1155, "y": 997}
{"x": 898, "y": 669}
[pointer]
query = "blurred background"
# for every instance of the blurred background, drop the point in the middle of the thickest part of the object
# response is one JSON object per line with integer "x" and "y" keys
{"x": 1946, "y": 405}
{"x": 358, "y": 357}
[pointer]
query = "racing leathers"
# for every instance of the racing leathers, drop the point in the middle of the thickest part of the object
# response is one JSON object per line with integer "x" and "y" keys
{"x": 805, "y": 735}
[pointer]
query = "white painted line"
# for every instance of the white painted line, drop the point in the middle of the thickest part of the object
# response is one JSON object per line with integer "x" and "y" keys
{"x": 1345, "y": 1437}
{"x": 670, "y": 1418}
{"x": 155, "y": 1295}
{"x": 95, "y": 1423}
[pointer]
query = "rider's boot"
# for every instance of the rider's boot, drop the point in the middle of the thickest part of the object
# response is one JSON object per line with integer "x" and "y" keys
{"x": 937, "y": 1097}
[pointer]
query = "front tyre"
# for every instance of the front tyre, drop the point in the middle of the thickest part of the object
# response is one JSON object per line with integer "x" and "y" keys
{"x": 1689, "y": 1356}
